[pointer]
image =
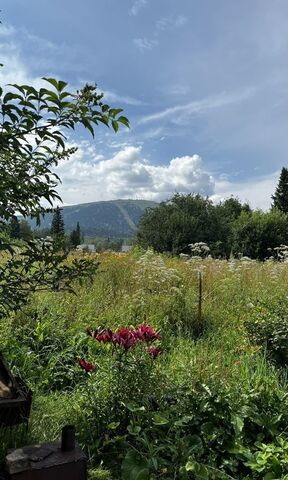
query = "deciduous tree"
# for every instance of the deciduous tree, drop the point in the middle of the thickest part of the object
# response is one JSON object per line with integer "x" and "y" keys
{"x": 32, "y": 141}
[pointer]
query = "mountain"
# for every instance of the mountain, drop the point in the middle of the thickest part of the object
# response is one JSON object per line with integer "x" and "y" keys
{"x": 114, "y": 218}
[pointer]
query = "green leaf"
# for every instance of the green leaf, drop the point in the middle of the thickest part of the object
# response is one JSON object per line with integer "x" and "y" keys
{"x": 115, "y": 126}
{"x": 88, "y": 125}
{"x": 52, "y": 81}
{"x": 124, "y": 121}
{"x": 160, "y": 420}
{"x": 135, "y": 468}
{"x": 133, "y": 407}
{"x": 134, "y": 429}
{"x": 61, "y": 85}
{"x": 113, "y": 425}
{"x": 238, "y": 424}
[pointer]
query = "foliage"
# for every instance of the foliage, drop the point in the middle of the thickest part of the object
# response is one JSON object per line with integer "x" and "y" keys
{"x": 280, "y": 197}
{"x": 270, "y": 460}
{"x": 200, "y": 409}
{"x": 32, "y": 141}
{"x": 267, "y": 326}
{"x": 190, "y": 219}
{"x": 227, "y": 228}
{"x": 75, "y": 236}
{"x": 14, "y": 227}
{"x": 171, "y": 226}
{"x": 37, "y": 267}
{"x": 257, "y": 232}
{"x": 57, "y": 226}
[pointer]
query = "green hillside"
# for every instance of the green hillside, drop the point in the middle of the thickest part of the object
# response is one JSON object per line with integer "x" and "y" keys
{"x": 115, "y": 218}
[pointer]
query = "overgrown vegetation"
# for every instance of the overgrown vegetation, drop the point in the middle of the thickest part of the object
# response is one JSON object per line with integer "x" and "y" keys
{"x": 209, "y": 406}
{"x": 229, "y": 228}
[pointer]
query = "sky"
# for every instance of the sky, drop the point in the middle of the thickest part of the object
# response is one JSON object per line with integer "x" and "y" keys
{"x": 204, "y": 84}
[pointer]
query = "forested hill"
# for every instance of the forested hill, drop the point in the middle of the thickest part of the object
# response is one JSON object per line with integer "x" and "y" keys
{"x": 115, "y": 218}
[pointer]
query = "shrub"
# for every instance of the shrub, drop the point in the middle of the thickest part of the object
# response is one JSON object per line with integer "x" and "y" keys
{"x": 268, "y": 326}
{"x": 270, "y": 460}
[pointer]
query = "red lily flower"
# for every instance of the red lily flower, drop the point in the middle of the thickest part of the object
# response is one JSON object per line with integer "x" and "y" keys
{"x": 154, "y": 351}
{"x": 87, "y": 366}
{"x": 105, "y": 336}
{"x": 147, "y": 333}
{"x": 125, "y": 337}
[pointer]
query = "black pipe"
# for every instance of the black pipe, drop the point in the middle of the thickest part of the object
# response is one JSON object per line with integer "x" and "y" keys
{"x": 68, "y": 438}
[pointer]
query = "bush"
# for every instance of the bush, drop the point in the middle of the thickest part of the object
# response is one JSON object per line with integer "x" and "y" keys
{"x": 268, "y": 326}
{"x": 270, "y": 460}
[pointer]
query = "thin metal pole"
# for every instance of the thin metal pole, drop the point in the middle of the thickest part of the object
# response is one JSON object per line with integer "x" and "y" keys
{"x": 200, "y": 281}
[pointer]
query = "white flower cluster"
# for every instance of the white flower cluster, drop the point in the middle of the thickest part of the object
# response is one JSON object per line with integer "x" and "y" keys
{"x": 199, "y": 249}
{"x": 153, "y": 276}
{"x": 280, "y": 253}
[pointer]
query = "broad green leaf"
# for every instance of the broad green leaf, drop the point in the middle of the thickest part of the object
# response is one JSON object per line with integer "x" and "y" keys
{"x": 160, "y": 420}
{"x": 115, "y": 126}
{"x": 135, "y": 468}
{"x": 133, "y": 407}
{"x": 52, "y": 81}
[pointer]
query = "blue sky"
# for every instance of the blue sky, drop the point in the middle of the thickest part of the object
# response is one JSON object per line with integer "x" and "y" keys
{"x": 204, "y": 84}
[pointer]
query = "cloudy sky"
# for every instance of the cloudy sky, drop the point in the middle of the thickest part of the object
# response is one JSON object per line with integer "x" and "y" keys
{"x": 203, "y": 82}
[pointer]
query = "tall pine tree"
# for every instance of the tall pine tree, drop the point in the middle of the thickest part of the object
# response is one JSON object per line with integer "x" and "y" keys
{"x": 75, "y": 236}
{"x": 14, "y": 227}
{"x": 57, "y": 227}
{"x": 280, "y": 198}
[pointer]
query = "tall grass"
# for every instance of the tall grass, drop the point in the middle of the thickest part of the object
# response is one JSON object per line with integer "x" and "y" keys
{"x": 44, "y": 340}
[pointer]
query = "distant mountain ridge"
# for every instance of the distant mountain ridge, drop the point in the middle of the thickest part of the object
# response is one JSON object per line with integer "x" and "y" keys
{"x": 113, "y": 218}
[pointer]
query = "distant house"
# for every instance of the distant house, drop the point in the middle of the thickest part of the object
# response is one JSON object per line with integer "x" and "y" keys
{"x": 126, "y": 248}
{"x": 85, "y": 247}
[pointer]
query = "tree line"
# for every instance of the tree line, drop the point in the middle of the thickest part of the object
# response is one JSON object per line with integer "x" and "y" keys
{"x": 229, "y": 228}
{"x": 21, "y": 230}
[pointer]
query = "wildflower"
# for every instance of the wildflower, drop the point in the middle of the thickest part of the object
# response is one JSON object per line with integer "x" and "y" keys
{"x": 147, "y": 333}
{"x": 87, "y": 366}
{"x": 154, "y": 351}
{"x": 104, "y": 336}
{"x": 125, "y": 337}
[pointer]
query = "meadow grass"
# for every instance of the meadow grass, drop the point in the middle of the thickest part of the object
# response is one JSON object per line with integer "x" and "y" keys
{"x": 43, "y": 342}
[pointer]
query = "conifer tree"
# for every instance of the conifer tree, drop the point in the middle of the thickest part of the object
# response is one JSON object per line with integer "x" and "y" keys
{"x": 57, "y": 226}
{"x": 75, "y": 236}
{"x": 280, "y": 198}
{"x": 14, "y": 227}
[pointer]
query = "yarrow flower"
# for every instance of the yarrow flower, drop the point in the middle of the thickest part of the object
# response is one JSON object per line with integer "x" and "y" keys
{"x": 87, "y": 366}
{"x": 154, "y": 351}
{"x": 147, "y": 333}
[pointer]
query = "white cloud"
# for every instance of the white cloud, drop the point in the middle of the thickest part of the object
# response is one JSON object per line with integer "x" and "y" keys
{"x": 87, "y": 177}
{"x": 115, "y": 97}
{"x": 144, "y": 44}
{"x": 15, "y": 70}
{"x": 6, "y": 30}
{"x": 180, "y": 113}
{"x": 170, "y": 22}
{"x": 257, "y": 192}
{"x": 136, "y": 7}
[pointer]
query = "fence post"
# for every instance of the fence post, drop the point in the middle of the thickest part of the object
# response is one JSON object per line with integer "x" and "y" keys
{"x": 200, "y": 297}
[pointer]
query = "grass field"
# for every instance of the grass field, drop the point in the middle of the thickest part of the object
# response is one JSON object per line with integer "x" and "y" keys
{"x": 212, "y": 404}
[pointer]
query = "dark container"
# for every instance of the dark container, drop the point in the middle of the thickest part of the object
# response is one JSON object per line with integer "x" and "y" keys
{"x": 15, "y": 410}
{"x": 68, "y": 438}
{"x": 46, "y": 462}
